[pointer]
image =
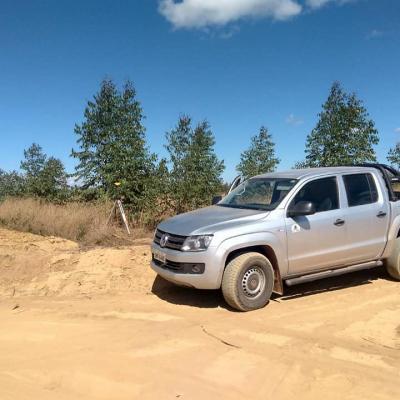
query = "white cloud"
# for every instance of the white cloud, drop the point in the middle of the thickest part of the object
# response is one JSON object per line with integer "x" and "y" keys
{"x": 397, "y": 130}
{"x": 202, "y": 13}
{"x": 320, "y": 3}
{"x": 374, "y": 34}
{"x": 293, "y": 120}
{"x": 205, "y": 13}
{"x": 227, "y": 34}
{"x": 316, "y": 3}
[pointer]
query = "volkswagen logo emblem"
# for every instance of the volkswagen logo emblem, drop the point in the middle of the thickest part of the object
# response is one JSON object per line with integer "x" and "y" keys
{"x": 164, "y": 240}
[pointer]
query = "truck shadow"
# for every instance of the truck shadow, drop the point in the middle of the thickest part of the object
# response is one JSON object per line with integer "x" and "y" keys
{"x": 213, "y": 298}
{"x": 185, "y": 296}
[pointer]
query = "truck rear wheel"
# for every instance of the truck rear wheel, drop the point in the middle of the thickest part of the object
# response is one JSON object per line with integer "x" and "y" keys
{"x": 248, "y": 281}
{"x": 393, "y": 262}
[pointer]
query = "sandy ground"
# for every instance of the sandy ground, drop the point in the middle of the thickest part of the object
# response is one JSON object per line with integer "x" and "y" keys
{"x": 98, "y": 324}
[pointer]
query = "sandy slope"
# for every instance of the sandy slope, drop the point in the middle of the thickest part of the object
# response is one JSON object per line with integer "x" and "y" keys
{"x": 33, "y": 265}
{"x": 96, "y": 324}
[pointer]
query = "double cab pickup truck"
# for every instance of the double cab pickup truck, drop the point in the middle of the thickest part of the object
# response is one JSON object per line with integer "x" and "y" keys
{"x": 284, "y": 228}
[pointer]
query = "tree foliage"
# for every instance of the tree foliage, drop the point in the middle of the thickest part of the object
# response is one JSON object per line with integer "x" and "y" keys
{"x": 300, "y": 165}
{"x": 158, "y": 204}
{"x": 53, "y": 179}
{"x": 34, "y": 161}
{"x": 114, "y": 161}
{"x": 260, "y": 157}
{"x": 43, "y": 176}
{"x": 113, "y": 146}
{"x": 195, "y": 174}
{"x": 344, "y": 134}
{"x": 11, "y": 184}
{"x": 394, "y": 156}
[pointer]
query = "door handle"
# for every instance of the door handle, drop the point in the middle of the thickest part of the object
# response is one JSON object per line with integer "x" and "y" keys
{"x": 339, "y": 222}
{"x": 381, "y": 214}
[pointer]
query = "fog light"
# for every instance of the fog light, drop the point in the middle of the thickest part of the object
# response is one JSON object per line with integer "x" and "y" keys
{"x": 196, "y": 269}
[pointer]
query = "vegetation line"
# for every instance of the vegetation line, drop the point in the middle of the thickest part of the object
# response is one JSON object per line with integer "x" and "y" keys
{"x": 113, "y": 161}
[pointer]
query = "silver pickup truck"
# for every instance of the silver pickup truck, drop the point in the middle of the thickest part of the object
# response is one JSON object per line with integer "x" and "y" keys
{"x": 284, "y": 228}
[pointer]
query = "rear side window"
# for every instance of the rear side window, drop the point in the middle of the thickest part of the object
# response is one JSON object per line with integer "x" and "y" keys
{"x": 360, "y": 189}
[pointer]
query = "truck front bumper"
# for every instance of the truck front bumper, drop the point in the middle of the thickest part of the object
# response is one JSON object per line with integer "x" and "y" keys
{"x": 209, "y": 279}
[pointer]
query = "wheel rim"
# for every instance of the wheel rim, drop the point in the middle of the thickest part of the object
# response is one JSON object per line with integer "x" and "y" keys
{"x": 253, "y": 282}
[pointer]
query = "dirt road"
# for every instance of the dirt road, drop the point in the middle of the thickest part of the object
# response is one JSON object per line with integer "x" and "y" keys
{"x": 96, "y": 324}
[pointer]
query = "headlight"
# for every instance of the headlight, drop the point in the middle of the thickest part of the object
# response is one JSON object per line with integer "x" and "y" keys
{"x": 196, "y": 243}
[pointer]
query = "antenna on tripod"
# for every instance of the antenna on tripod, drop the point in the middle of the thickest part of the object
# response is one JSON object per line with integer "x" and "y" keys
{"x": 119, "y": 208}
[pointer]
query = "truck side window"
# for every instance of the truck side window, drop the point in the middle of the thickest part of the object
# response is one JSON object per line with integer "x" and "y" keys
{"x": 322, "y": 192}
{"x": 360, "y": 189}
{"x": 394, "y": 183}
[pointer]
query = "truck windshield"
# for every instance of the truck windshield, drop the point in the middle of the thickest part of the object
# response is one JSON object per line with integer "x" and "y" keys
{"x": 259, "y": 193}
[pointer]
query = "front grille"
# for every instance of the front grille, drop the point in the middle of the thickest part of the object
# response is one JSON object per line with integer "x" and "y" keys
{"x": 173, "y": 242}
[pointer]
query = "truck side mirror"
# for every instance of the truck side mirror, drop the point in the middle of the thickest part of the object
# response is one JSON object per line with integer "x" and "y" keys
{"x": 216, "y": 199}
{"x": 302, "y": 208}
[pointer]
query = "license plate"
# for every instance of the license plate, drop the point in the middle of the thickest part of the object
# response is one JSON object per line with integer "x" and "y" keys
{"x": 161, "y": 257}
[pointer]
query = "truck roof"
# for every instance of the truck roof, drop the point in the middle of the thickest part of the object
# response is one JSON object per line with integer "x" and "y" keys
{"x": 310, "y": 172}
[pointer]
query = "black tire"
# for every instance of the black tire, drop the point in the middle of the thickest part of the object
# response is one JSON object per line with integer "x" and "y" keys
{"x": 393, "y": 262}
{"x": 242, "y": 284}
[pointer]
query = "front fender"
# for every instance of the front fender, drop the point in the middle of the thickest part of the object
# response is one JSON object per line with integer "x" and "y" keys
{"x": 254, "y": 239}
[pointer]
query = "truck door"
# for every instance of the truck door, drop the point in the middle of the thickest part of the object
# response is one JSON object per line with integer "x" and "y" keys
{"x": 367, "y": 216}
{"x": 319, "y": 240}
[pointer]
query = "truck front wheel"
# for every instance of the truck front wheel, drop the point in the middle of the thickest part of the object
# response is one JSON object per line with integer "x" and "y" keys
{"x": 393, "y": 262}
{"x": 248, "y": 281}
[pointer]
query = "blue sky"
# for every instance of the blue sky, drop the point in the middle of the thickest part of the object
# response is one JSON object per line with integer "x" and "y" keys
{"x": 239, "y": 63}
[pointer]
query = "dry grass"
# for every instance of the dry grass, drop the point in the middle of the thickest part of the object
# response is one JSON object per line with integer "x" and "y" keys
{"x": 85, "y": 223}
